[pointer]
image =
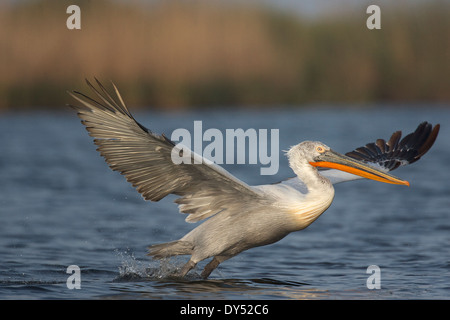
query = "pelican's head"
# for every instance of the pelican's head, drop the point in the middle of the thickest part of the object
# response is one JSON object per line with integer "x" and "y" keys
{"x": 318, "y": 154}
{"x": 307, "y": 151}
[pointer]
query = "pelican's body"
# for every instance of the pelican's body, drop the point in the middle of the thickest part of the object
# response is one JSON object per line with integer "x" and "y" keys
{"x": 281, "y": 209}
{"x": 236, "y": 216}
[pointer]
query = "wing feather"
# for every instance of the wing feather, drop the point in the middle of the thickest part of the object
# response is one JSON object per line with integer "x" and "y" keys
{"x": 144, "y": 158}
{"x": 390, "y": 155}
{"x": 398, "y": 152}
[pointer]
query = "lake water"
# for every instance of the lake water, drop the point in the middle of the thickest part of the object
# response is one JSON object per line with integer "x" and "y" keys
{"x": 61, "y": 205}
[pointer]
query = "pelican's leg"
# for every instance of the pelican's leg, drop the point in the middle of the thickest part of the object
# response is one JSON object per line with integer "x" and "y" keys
{"x": 212, "y": 265}
{"x": 186, "y": 268}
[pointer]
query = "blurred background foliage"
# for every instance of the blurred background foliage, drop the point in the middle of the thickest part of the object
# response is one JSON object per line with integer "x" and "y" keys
{"x": 183, "y": 54}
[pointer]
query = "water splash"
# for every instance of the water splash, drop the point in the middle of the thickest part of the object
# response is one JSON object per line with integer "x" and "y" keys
{"x": 134, "y": 269}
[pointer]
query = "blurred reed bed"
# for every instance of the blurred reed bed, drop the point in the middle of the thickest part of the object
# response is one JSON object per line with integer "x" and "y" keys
{"x": 181, "y": 54}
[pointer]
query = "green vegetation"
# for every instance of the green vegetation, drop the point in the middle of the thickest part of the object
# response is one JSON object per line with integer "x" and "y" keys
{"x": 179, "y": 54}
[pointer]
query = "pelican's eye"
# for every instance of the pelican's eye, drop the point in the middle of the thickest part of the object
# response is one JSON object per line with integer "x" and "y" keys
{"x": 320, "y": 149}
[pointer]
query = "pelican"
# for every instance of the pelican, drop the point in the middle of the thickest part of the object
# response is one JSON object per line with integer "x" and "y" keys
{"x": 236, "y": 216}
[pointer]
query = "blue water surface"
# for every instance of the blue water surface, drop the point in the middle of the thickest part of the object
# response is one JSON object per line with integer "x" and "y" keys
{"x": 61, "y": 205}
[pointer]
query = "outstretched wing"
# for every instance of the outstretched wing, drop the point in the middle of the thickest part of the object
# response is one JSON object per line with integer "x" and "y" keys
{"x": 144, "y": 158}
{"x": 390, "y": 155}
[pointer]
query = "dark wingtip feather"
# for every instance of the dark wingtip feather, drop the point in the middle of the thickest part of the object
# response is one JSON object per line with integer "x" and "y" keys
{"x": 397, "y": 152}
{"x": 430, "y": 140}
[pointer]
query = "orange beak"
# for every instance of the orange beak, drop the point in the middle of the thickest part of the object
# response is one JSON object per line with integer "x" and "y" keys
{"x": 333, "y": 160}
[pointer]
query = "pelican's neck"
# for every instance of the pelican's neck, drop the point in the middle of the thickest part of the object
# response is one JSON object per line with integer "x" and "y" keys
{"x": 316, "y": 201}
{"x": 310, "y": 175}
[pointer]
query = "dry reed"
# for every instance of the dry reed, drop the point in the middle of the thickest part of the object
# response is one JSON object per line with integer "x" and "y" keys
{"x": 194, "y": 53}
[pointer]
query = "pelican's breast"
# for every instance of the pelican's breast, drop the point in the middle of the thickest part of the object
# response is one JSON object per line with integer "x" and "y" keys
{"x": 305, "y": 211}
{"x": 301, "y": 207}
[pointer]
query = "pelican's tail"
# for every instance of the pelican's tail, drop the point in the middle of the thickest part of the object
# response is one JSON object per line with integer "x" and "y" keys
{"x": 169, "y": 249}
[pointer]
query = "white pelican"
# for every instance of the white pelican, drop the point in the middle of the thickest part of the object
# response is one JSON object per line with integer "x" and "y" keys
{"x": 237, "y": 216}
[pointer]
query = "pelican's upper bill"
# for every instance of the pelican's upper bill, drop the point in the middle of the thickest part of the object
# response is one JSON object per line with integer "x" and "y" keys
{"x": 333, "y": 160}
